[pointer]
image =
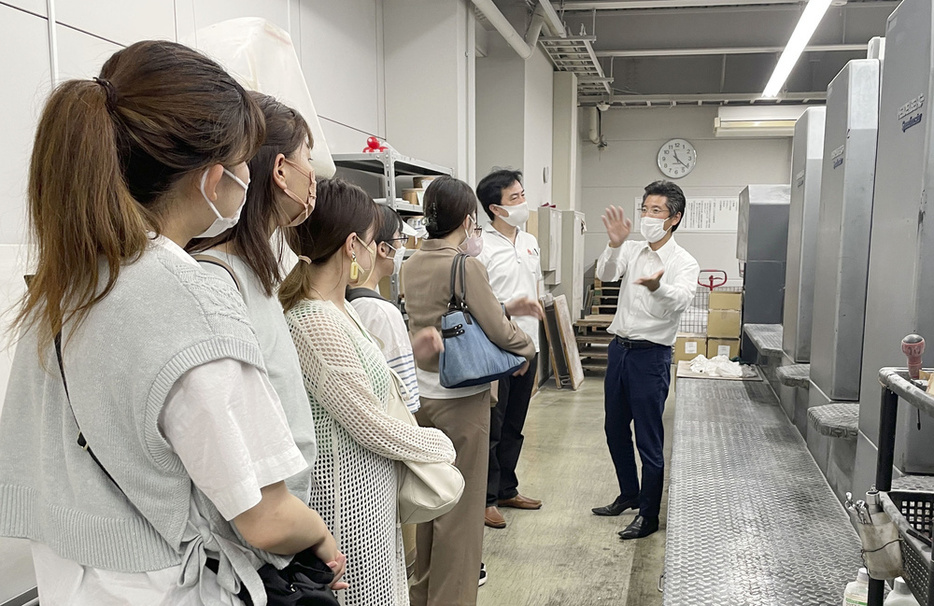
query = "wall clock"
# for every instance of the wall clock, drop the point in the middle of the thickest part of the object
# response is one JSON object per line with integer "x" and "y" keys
{"x": 676, "y": 158}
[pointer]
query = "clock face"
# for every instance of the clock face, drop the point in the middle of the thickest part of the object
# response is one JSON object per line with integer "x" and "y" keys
{"x": 676, "y": 158}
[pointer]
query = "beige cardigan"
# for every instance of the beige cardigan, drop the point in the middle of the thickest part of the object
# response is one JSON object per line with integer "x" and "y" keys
{"x": 426, "y": 282}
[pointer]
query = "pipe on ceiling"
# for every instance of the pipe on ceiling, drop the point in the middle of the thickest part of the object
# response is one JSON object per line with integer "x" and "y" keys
{"x": 544, "y": 16}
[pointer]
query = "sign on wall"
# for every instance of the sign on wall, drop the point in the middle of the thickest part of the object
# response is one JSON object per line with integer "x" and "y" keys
{"x": 709, "y": 215}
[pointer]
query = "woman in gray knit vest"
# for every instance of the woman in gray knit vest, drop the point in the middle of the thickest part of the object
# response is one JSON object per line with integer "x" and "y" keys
{"x": 178, "y": 495}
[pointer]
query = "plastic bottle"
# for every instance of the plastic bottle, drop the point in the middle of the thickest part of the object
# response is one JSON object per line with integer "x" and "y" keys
{"x": 901, "y": 595}
{"x": 857, "y": 592}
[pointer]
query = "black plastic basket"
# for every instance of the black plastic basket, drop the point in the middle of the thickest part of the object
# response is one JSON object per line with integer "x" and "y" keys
{"x": 915, "y": 509}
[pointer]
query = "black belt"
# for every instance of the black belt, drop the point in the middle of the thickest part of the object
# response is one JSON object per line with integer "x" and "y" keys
{"x": 637, "y": 344}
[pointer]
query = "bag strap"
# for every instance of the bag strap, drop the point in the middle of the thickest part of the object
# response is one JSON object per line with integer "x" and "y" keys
{"x": 212, "y": 260}
{"x": 353, "y": 294}
{"x": 82, "y": 441}
{"x": 458, "y": 268}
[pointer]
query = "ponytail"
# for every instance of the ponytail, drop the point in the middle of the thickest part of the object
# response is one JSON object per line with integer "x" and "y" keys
{"x": 107, "y": 154}
{"x": 296, "y": 285}
{"x": 80, "y": 209}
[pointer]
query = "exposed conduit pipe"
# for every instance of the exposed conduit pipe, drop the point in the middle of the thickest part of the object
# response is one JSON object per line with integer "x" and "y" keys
{"x": 544, "y": 16}
{"x": 504, "y": 27}
{"x": 594, "y": 131}
{"x": 555, "y": 26}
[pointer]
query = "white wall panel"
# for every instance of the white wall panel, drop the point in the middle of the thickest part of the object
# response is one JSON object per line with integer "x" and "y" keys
{"x": 617, "y": 174}
{"x": 539, "y": 127}
{"x": 81, "y": 55}
{"x": 196, "y": 14}
{"x": 16, "y": 572}
{"x": 341, "y": 61}
{"x": 120, "y": 21}
{"x": 24, "y": 37}
{"x": 39, "y": 7}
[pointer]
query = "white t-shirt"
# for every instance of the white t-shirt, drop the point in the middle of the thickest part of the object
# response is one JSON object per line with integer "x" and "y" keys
{"x": 384, "y": 322}
{"x": 226, "y": 424}
{"x": 515, "y": 271}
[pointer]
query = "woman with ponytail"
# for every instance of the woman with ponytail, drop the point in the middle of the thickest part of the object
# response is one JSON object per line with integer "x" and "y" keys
{"x": 349, "y": 385}
{"x": 174, "y": 490}
{"x": 282, "y": 193}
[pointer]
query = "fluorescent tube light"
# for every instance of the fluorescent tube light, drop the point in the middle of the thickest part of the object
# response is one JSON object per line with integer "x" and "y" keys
{"x": 810, "y": 19}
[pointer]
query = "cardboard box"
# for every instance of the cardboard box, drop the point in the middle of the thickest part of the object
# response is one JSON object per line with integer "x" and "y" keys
{"x": 722, "y": 347}
{"x": 724, "y": 324}
{"x": 726, "y": 300}
{"x": 689, "y": 346}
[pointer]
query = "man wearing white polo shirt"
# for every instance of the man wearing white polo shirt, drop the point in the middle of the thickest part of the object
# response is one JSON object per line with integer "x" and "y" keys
{"x": 513, "y": 261}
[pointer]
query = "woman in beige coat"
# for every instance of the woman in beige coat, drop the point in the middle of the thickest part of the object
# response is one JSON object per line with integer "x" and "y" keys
{"x": 449, "y": 547}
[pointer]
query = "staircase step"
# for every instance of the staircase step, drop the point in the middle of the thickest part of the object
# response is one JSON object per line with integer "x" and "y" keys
{"x": 599, "y": 339}
{"x": 595, "y": 321}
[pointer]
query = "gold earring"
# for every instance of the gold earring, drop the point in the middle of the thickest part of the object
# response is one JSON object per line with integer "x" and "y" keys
{"x": 354, "y": 267}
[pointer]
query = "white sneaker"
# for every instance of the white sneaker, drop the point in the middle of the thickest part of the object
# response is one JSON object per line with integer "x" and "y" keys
{"x": 482, "y": 574}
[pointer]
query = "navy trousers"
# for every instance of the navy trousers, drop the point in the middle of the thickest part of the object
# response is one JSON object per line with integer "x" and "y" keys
{"x": 507, "y": 419}
{"x": 635, "y": 391}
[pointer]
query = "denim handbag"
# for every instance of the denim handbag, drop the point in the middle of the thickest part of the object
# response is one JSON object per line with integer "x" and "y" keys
{"x": 469, "y": 357}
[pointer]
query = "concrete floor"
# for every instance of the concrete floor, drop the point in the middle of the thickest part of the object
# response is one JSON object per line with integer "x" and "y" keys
{"x": 562, "y": 554}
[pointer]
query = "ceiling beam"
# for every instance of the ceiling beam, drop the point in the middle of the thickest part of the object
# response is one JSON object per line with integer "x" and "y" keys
{"x": 624, "y": 100}
{"x": 589, "y": 5}
{"x": 727, "y": 50}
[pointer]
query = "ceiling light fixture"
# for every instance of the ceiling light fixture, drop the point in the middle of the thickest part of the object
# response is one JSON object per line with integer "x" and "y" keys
{"x": 810, "y": 19}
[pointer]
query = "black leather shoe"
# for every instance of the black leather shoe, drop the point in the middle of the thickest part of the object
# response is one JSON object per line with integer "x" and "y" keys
{"x": 617, "y": 507}
{"x": 638, "y": 528}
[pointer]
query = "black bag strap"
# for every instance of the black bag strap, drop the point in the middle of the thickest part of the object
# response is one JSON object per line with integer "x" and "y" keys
{"x": 82, "y": 441}
{"x": 212, "y": 260}
{"x": 353, "y": 294}
{"x": 459, "y": 268}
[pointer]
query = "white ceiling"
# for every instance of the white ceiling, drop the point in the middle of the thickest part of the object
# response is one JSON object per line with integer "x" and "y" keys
{"x": 710, "y": 51}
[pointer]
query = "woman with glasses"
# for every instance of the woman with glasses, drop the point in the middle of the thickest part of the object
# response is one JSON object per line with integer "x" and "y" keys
{"x": 447, "y": 564}
{"x": 382, "y": 319}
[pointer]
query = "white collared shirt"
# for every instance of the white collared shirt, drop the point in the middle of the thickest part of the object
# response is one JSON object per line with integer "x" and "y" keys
{"x": 515, "y": 271}
{"x": 642, "y": 314}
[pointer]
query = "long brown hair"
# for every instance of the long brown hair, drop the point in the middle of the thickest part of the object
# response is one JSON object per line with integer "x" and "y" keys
{"x": 286, "y": 130}
{"x": 340, "y": 210}
{"x": 105, "y": 154}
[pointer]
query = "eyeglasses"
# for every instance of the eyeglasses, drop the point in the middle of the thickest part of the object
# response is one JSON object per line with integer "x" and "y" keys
{"x": 655, "y": 211}
{"x": 402, "y": 240}
{"x": 477, "y": 229}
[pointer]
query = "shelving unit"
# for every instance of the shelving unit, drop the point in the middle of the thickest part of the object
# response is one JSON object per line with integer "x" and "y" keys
{"x": 391, "y": 166}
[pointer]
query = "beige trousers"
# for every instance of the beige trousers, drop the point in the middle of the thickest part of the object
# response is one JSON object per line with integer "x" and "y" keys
{"x": 447, "y": 562}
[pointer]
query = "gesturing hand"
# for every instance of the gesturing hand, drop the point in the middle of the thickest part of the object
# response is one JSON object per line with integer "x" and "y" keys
{"x": 618, "y": 227}
{"x": 525, "y": 306}
{"x": 651, "y": 282}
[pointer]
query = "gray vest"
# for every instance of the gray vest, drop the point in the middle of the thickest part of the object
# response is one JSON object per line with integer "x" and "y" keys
{"x": 162, "y": 318}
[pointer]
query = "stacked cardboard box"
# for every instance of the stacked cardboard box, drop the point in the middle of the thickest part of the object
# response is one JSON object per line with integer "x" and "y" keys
{"x": 724, "y": 324}
{"x": 689, "y": 346}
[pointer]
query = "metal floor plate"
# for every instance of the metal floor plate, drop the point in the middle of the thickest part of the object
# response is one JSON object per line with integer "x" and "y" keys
{"x": 766, "y": 337}
{"x": 751, "y": 519}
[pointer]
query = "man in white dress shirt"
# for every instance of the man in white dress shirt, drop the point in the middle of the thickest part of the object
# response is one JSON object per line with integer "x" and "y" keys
{"x": 513, "y": 261}
{"x": 657, "y": 283}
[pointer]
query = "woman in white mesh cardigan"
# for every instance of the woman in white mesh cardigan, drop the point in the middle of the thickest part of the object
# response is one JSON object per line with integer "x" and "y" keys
{"x": 348, "y": 383}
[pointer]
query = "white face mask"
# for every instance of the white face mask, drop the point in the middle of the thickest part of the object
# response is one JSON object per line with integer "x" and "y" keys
{"x": 652, "y": 229}
{"x": 397, "y": 259}
{"x": 222, "y": 223}
{"x": 516, "y": 215}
